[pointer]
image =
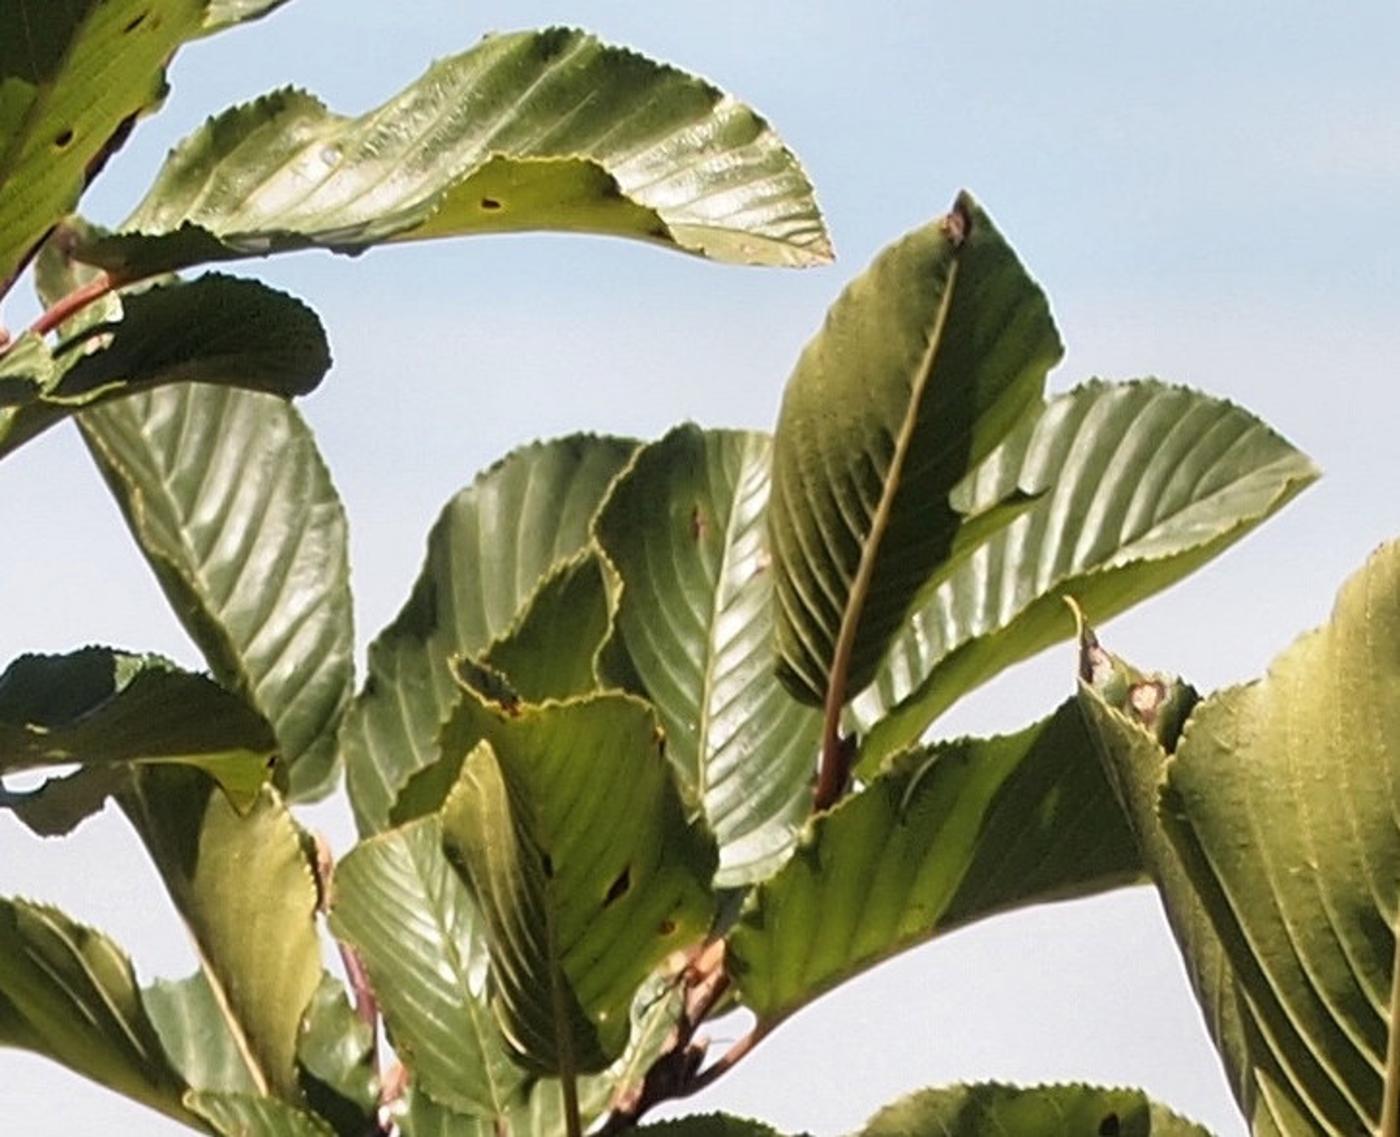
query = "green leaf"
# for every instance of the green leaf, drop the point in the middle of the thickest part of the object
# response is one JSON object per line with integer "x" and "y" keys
{"x": 218, "y": 330}
{"x": 572, "y": 838}
{"x": 230, "y": 501}
{"x": 1278, "y": 803}
{"x": 402, "y": 907}
{"x": 242, "y": 1115}
{"x": 537, "y": 1107}
{"x": 222, "y": 14}
{"x": 946, "y": 836}
{"x": 549, "y": 652}
{"x": 1134, "y": 757}
{"x": 1144, "y": 483}
{"x": 684, "y": 528}
{"x": 334, "y": 1051}
{"x": 108, "y": 712}
{"x": 708, "y": 1125}
{"x": 68, "y": 993}
{"x": 924, "y": 364}
{"x": 531, "y": 130}
{"x": 993, "y": 1110}
{"x": 246, "y": 891}
{"x": 196, "y": 1035}
{"x": 487, "y": 552}
{"x": 74, "y": 77}
{"x": 336, "y": 1054}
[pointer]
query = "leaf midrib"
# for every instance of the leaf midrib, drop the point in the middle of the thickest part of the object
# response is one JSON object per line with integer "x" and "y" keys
{"x": 865, "y": 571}
{"x": 240, "y": 1038}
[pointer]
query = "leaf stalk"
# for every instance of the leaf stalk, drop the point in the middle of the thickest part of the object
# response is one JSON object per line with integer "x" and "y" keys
{"x": 68, "y": 306}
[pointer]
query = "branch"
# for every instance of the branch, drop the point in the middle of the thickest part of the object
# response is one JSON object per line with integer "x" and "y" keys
{"x": 677, "y": 1072}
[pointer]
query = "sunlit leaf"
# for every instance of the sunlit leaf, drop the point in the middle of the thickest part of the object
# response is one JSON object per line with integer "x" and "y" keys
{"x": 531, "y": 130}
{"x": 232, "y": 505}
{"x": 218, "y": 330}
{"x": 243, "y": 1115}
{"x": 684, "y": 528}
{"x": 1278, "y": 812}
{"x": 487, "y": 553}
{"x": 54, "y": 132}
{"x": 1143, "y": 483}
{"x": 415, "y": 926}
{"x": 946, "y": 836}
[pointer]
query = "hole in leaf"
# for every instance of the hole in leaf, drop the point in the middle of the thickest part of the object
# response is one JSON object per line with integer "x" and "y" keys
{"x": 1109, "y": 1126}
{"x": 63, "y": 137}
{"x": 135, "y": 23}
{"x": 547, "y": 863}
{"x": 490, "y": 203}
{"x": 618, "y": 889}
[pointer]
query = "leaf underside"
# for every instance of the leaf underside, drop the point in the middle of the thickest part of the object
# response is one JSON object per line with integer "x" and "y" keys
{"x": 946, "y": 836}
{"x": 566, "y": 827}
{"x": 924, "y": 363}
{"x": 1271, "y": 833}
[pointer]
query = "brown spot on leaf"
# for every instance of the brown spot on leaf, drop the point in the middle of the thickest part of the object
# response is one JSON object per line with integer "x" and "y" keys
{"x": 699, "y": 524}
{"x": 547, "y": 864}
{"x": 666, "y": 928}
{"x": 957, "y": 225}
{"x": 1146, "y": 699}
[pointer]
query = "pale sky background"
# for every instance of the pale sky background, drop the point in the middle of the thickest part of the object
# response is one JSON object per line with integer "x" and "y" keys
{"x": 1207, "y": 191}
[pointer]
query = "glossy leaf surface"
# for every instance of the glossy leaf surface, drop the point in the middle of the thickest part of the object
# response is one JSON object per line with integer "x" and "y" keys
{"x": 228, "y": 497}
{"x": 1142, "y": 484}
{"x": 684, "y": 527}
{"x": 924, "y": 364}
{"x": 487, "y": 552}
{"x": 403, "y": 908}
{"x": 530, "y": 130}
{"x": 549, "y": 652}
{"x": 945, "y": 836}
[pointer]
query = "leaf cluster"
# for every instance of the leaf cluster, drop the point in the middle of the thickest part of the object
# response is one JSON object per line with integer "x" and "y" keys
{"x": 652, "y": 737}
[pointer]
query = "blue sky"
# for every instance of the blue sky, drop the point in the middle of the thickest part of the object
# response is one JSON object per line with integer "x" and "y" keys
{"x": 1207, "y": 192}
